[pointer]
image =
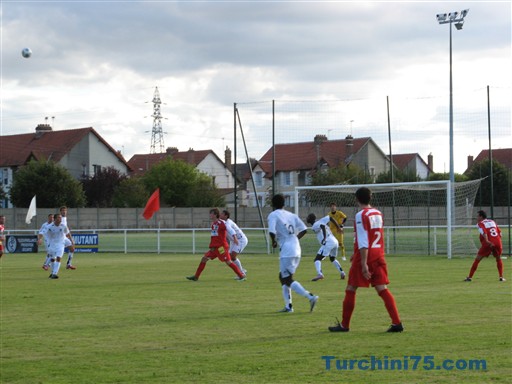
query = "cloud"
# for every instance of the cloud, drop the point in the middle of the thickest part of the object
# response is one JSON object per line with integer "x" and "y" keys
{"x": 98, "y": 63}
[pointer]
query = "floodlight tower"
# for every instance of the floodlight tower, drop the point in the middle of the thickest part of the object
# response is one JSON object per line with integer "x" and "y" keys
{"x": 456, "y": 18}
{"x": 157, "y": 135}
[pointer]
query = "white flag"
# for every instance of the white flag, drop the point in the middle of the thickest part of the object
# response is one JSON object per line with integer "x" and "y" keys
{"x": 31, "y": 211}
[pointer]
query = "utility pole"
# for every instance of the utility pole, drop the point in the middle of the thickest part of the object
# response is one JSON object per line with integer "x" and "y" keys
{"x": 157, "y": 135}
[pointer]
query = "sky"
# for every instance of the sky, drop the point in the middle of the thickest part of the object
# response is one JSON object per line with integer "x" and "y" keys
{"x": 331, "y": 67}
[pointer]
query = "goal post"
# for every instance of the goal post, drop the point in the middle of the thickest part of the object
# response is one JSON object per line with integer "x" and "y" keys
{"x": 418, "y": 216}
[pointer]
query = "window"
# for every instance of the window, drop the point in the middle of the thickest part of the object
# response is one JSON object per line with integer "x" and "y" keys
{"x": 96, "y": 168}
{"x": 258, "y": 178}
{"x": 286, "y": 178}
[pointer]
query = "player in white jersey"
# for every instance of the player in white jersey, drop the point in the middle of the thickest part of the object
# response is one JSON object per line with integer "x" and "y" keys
{"x": 57, "y": 233}
{"x": 70, "y": 250}
{"x": 286, "y": 228}
{"x": 235, "y": 249}
{"x": 328, "y": 245}
{"x": 42, "y": 236}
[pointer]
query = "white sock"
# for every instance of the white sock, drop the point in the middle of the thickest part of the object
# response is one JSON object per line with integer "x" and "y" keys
{"x": 47, "y": 261}
{"x": 336, "y": 263}
{"x": 287, "y": 296}
{"x": 70, "y": 257}
{"x": 56, "y": 266}
{"x": 318, "y": 266}
{"x": 297, "y": 287}
{"x": 239, "y": 265}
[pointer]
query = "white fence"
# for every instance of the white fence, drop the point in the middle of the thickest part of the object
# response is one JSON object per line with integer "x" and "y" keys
{"x": 421, "y": 240}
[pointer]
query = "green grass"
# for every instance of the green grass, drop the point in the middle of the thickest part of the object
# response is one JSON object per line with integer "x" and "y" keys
{"x": 136, "y": 319}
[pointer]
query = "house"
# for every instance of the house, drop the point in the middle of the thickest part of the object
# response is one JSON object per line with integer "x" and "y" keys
{"x": 82, "y": 151}
{"x": 502, "y": 156}
{"x": 205, "y": 161}
{"x": 413, "y": 163}
{"x": 296, "y": 162}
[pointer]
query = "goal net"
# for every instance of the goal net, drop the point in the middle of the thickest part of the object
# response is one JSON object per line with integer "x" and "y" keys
{"x": 417, "y": 216}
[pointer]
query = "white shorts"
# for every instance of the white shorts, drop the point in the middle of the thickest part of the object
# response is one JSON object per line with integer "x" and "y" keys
{"x": 56, "y": 251}
{"x": 288, "y": 265}
{"x": 238, "y": 248}
{"x": 330, "y": 248}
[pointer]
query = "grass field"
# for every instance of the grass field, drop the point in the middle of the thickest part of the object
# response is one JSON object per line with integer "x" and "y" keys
{"x": 136, "y": 319}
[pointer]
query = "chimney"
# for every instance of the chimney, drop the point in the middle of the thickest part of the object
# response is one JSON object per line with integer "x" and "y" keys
{"x": 171, "y": 151}
{"x": 227, "y": 157}
{"x": 190, "y": 156}
{"x": 41, "y": 129}
{"x": 349, "y": 144}
{"x": 318, "y": 140}
{"x": 471, "y": 160}
{"x": 430, "y": 162}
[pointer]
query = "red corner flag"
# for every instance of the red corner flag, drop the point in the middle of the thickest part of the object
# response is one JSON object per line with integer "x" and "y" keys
{"x": 153, "y": 205}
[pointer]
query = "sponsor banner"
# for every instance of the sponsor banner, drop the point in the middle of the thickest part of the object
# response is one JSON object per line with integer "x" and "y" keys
{"x": 21, "y": 243}
{"x": 85, "y": 242}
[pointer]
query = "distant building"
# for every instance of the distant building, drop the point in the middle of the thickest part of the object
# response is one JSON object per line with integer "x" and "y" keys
{"x": 502, "y": 156}
{"x": 205, "y": 161}
{"x": 295, "y": 163}
{"x": 413, "y": 163}
{"x": 82, "y": 151}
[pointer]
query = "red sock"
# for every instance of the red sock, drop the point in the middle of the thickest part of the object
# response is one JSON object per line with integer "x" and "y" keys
{"x": 200, "y": 269}
{"x": 389, "y": 302}
{"x": 499, "y": 264}
{"x": 473, "y": 268}
{"x": 235, "y": 268}
{"x": 349, "y": 304}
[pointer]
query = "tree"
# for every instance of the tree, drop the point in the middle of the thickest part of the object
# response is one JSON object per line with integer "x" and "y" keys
{"x": 52, "y": 183}
{"x": 341, "y": 174}
{"x": 3, "y": 195}
{"x": 399, "y": 176}
{"x": 130, "y": 193}
{"x": 446, "y": 176}
{"x": 100, "y": 188}
{"x": 182, "y": 185}
{"x": 501, "y": 182}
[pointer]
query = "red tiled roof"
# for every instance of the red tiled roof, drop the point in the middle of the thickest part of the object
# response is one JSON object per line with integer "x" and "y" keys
{"x": 140, "y": 163}
{"x": 304, "y": 156}
{"x": 16, "y": 150}
{"x": 503, "y": 156}
{"x": 401, "y": 161}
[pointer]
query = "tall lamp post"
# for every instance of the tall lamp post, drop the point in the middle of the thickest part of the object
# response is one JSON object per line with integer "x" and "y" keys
{"x": 456, "y": 18}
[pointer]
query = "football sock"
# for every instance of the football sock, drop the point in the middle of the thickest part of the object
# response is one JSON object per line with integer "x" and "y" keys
{"x": 287, "y": 296}
{"x": 318, "y": 266}
{"x": 235, "y": 268}
{"x": 238, "y": 264}
{"x": 349, "y": 304}
{"x": 337, "y": 264}
{"x": 297, "y": 287}
{"x": 200, "y": 269}
{"x": 499, "y": 264}
{"x": 70, "y": 257}
{"x": 55, "y": 269}
{"x": 474, "y": 267}
{"x": 389, "y": 302}
{"x": 47, "y": 261}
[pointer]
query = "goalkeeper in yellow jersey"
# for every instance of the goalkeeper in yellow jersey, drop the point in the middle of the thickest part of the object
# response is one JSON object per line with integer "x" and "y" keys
{"x": 337, "y": 219}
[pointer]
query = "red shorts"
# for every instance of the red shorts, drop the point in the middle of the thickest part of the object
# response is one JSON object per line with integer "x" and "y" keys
{"x": 378, "y": 270}
{"x": 485, "y": 250}
{"x": 221, "y": 253}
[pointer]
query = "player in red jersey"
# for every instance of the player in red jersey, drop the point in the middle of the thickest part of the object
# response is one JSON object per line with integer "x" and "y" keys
{"x": 2, "y": 237}
{"x": 219, "y": 247}
{"x": 490, "y": 238}
{"x": 368, "y": 263}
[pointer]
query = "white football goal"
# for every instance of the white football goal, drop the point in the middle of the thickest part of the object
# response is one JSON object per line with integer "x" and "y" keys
{"x": 418, "y": 216}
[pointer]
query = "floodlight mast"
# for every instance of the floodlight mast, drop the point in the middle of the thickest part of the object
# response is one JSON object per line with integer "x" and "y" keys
{"x": 456, "y": 18}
